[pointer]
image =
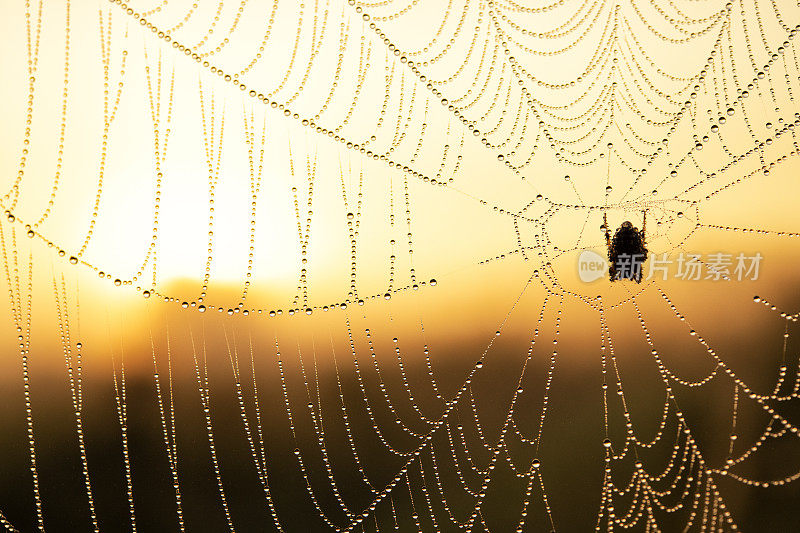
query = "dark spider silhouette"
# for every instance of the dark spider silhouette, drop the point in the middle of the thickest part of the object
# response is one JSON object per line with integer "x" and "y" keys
{"x": 627, "y": 251}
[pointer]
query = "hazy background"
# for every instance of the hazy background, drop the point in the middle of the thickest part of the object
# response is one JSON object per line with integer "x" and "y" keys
{"x": 452, "y": 234}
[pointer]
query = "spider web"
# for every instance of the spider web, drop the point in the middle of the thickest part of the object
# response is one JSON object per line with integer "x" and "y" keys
{"x": 356, "y": 228}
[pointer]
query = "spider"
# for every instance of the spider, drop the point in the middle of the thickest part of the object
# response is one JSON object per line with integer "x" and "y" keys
{"x": 627, "y": 250}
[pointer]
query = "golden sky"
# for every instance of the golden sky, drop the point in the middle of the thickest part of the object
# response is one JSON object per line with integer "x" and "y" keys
{"x": 570, "y": 112}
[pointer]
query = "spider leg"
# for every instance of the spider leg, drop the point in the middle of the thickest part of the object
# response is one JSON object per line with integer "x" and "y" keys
{"x": 608, "y": 234}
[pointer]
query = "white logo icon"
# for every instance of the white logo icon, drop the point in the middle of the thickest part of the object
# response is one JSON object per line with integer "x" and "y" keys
{"x": 591, "y": 266}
